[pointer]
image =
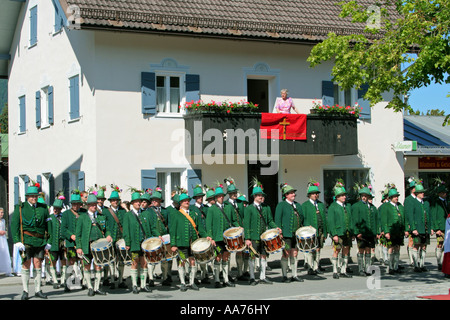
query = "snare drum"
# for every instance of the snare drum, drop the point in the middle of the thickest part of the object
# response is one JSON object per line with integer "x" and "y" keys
{"x": 103, "y": 252}
{"x": 272, "y": 241}
{"x": 202, "y": 250}
{"x": 169, "y": 255}
{"x": 306, "y": 239}
{"x": 124, "y": 255}
{"x": 234, "y": 239}
{"x": 153, "y": 250}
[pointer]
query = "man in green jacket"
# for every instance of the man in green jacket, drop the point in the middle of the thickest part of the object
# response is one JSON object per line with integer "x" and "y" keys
{"x": 289, "y": 217}
{"x": 28, "y": 228}
{"x": 90, "y": 227}
{"x": 258, "y": 219}
{"x": 185, "y": 228}
{"x": 341, "y": 229}
{"x": 314, "y": 213}
{"x": 220, "y": 218}
{"x": 393, "y": 225}
{"x": 421, "y": 226}
{"x": 366, "y": 228}
{"x": 439, "y": 212}
{"x": 114, "y": 216}
{"x": 55, "y": 243}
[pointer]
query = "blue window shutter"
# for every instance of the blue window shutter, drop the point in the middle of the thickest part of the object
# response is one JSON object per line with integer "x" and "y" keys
{"x": 74, "y": 98}
{"x": 22, "y": 119}
{"x": 39, "y": 180}
{"x": 148, "y": 179}
{"x": 81, "y": 181}
{"x": 364, "y": 104}
{"x": 38, "y": 109}
{"x": 33, "y": 25}
{"x": 51, "y": 187}
{"x": 192, "y": 87}
{"x": 26, "y": 181}
{"x": 327, "y": 93}
{"x": 16, "y": 190}
{"x": 194, "y": 177}
{"x": 50, "y": 105}
{"x": 58, "y": 18}
{"x": 66, "y": 184}
{"x": 148, "y": 92}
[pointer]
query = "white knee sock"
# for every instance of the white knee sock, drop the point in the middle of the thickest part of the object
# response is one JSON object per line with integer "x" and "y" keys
{"x": 225, "y": 270}
{"x": 293, "y": 264}
{"x": 37, "y": 280}
{"x": 334, "y": 261}
{"x": 98, "y": 279}
{"x": 216, "y": 271}
{"x": 134, "y": 277}
{"x": 251, "y": 268}
{"x": 284, "y": 266}
{"x": 25, "y": 277}
{"x": 144, "y": 273}
{"x": 182, "y": 274}
{"x": 262, "y": 273}
{"x": 151, "y": 268}
{"x": 193, "y": 275}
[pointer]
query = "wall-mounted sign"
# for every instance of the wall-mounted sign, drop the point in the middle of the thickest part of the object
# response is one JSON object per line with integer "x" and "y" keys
{"x": 405, "y": 146}
{"x": 434, "y": 163}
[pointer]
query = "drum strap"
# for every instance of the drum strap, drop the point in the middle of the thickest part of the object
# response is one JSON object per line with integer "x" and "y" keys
{"x": 160, "y": 216}
{"x": 261, "y": 218}
{"x": 140, "y": 224}
{"x": 223, "y": 212}
{"x": 116, "y": 219}
{"x": 190, "y": 220}
{"x": 75, "y": 213}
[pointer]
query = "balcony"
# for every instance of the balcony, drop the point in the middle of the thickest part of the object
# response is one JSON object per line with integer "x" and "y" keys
{"x": 238, "y": 134}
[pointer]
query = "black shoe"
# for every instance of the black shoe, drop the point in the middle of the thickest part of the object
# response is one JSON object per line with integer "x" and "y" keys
{"x": 348, "y": 270}
{"x": 183, "y": 288}
{"x": 439, "y": 267}
{"x": 106, "y": 282}
{"x": 297, "y": 279}
{"x": 91, "y": 293}
{"x": 166, "y": 283}
{"x": 423, "y": 269}
{"x": 398, "y": 271}
{"x": 321, "y": 268}
{"x": 100, "y": 292}
{"x": 231, "y": 279}
{"x": 66, "y": 288}
{"x": 447, "y": 276}
{"x": 135, "y": 290}
{"x": 286, "y": 280}
{"x": 217, "y": 285}
{"x": 40, "y": 294}
{"x": 229, "y": 284}
{"x": 346, "y": 275}
{"x": 391, "y": 272}
{"x": 112, "y": 286}
{"x": 194, "y": 287}
{"x": 311, "y": 272}
{"x": 25, "y": 296}
{"x": 335, "y": 275}
{"x": 265, "y": 281}
{"x": 417, "y": 269}
{"x": 196, "y": 281}
{"x": 123, "y": 285}
{"x": 268, "y": 268}
{"x": 146, "y": 289}
{"x": 246, "y": 274}
{"x": 253, "y": 282}
{"x": 318, "y": 271}
{"x": 151, "y": 283}
{"x": 362, "y": 274}
{"x": 205, "y": 281}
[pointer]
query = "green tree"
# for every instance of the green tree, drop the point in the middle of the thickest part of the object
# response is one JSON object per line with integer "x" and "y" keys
{"x": 4, "y": 119}
{"x": 375, "y": 57}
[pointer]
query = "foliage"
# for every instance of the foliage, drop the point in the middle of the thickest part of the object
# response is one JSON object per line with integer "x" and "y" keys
{"x": 221, "y": 107}
{"x": 375, "y": 57}
{"x": 336, "y": 109}
{"x": 4, "y": 120}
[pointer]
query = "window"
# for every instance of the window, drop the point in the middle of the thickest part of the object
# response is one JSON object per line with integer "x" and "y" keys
{"x": 22, "y": 115}
{"x": 350, "y": 177}
{"x": 332, "y": 94}
{"x": 168, "y": 181}
{"x": 44, "y": 106}
{"x": 168, "y": 93}
{"x": 59, "y": 22}
{"x": 74, "y": 94}
{"x": 23, "y": 185}
{"x": 33, "y": 26}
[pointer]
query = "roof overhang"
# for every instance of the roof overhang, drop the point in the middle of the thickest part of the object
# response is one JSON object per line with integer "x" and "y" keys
{"x": 423, "y": 151}
{"x": 9, "y": 13}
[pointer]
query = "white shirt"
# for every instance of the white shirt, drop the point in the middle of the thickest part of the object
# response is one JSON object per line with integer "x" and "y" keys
{"x": 291, "y": 203}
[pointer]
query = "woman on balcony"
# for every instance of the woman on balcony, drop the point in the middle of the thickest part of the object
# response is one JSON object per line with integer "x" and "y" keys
{"x": 285, "y": 104}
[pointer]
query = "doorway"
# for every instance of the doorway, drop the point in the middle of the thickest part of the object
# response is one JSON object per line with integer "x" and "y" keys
{"x": 258, "y": 93}
{"x": 269, "y": 183}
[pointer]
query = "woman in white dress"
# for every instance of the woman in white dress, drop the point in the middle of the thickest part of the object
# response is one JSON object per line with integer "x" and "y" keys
{"x": 5, "y": 258}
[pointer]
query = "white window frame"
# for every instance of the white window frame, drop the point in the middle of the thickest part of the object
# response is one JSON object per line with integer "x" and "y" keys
{"x": 22, "y": 187}
{"x": 69, "y": 97}
{"x": 73, "y": 180}
{"x": 168, "y": 181}
{"x": 44, "y": 108}
{"x": 20, "y": 115}
{"x": 341, "y": 96}
{"x": 182, "y": 94}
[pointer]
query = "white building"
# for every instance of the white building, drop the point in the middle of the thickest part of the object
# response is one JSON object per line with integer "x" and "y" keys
{"x": 94, "y": 92}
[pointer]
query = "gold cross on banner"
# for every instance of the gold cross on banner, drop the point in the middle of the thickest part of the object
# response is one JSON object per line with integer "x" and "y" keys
{"x": 284, "y": 123}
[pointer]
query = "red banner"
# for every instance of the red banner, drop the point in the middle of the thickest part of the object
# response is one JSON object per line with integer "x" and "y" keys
{"x": 290, "y": 126}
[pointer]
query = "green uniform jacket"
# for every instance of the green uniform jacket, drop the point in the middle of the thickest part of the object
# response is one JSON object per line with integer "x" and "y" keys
{"x": 182, "y": 232}
{"x": 239, "y": 212}
{"x": 54, "y": 232}
{"x": 391, "y": 221}
{"x": 132, "y": 229}
{"x": 286, "y": 218}
{"x": 33, "y": 220}
{"x": 83, "y": 232}
{"x": 409, "y": 202}
{"x": 365, "y": 219}
{"x": 252, "y": 221}
{"x": 201, "y": 213}
{"x": 112, "y": 228}
{"x": 157, "y": 222}
{"x": 310, "y": 215}
{"x": 439, "y": 214}
{"x": 336, "y": 220}
{"x": 416, "y": 213}
{"x": 69, "y": 226}
{"x": 216, "y": 223}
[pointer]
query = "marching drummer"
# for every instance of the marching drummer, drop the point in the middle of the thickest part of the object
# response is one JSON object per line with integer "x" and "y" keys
{"x": 220, "y": 217}
{"x": 257, "y": 219}
{"x": 89, "y": 229}
{"x": 137, "y": 228}
{"x": 238, "y": 209}
{"x": 69, "y": 222}
{"x": 185, "y": 228}
{"x": 366, "y": 228}
{"x": 340, "y": 227}
{"x": 289, "y": 216}
{"x": 315, "y": 216}
{"x": 114, "y": 231}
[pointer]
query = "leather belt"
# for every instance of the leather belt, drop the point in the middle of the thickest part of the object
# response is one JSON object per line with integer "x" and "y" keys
{"x": 34, "y": 234}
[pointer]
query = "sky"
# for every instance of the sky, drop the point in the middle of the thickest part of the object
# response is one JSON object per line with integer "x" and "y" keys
{"x": 433, "y": 96}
